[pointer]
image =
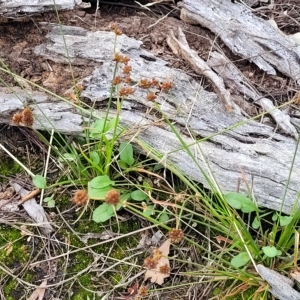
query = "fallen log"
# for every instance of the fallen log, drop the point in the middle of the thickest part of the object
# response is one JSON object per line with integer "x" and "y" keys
{"x": 14, "y": 9}
{"x": 246, "y": 35}
{"x": 224, "y": 143}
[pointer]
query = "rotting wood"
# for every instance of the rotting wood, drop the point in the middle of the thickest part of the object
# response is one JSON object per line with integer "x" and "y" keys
{"x": 249, "y": 147}
{"x": 246, "y": 35}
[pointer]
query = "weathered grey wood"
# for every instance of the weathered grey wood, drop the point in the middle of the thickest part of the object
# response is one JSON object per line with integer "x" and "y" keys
{"x": 14, "y": 8}
{"x": 237, "y": 82}
{"x": 245, "y": 34}
{"x": 34, "y": 210}
{"x": 180, "y": 47}
{"x": 48, "y": 111}
{"x": 249, "y": 146}
{"x": 281, "y": 286}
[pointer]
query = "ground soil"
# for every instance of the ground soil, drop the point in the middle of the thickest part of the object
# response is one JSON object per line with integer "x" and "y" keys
{"x": 18, "y": 38}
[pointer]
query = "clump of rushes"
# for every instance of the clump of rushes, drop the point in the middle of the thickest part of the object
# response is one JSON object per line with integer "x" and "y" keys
{"x": 112, "y": 197}
{"x": 25, "y": 117}
{"x": 80, "y": 198}
{"x": 176, "y": 235}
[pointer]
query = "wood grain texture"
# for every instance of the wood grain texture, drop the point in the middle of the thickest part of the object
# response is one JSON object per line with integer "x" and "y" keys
{"x": 223, "y": 144}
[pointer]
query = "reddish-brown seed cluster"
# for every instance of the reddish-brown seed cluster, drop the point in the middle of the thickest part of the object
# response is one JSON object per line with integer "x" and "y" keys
{"x": 150, "y": 263}
{"x": 126, "y": 90}
{"x": 119, "y": 58}
{"x": 112, "y": 197}
{"x": 165, "y": 269}
{"x": 151, "y": 96}
{"x": 117, "y": 80}
{"x": 166, "y": 85}
{"x": 25, "y": 117}
{"x": 156, "y": 254}
{"x": 80, "y": 198}
{"x": 115, "y": 29}
{"x": 17, "y": 118}
{"x": 127, "y": 69}
{"x": 176, "y": 235}
{"x": 144, "y": 83}
{"x": 143, "y": 291}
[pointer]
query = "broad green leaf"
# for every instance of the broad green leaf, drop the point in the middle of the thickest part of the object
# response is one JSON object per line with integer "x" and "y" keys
{"x": 255, "y": 223}
{"x": 94, "y": 156}
{"x": 126, "y": 153}
{"x": 275, "y": 217}
{"x": 97, "y": 128}
{"x": 148, "y": 211}
{"x": 270, "y": 251}
{"x": 122, "y": 164}
{"x": 125, "y": 197}
{"x": 239, "y": 201}
{"x": 98, "y": 194}
{"x": 100, "y": 182}
{"x": 240, "y": 260}
{"x": 51, "y": 203}
{"x": 103, "y": 213}
{"x": 46, "y": 199}
{"x": 39, "y": 181}
{"x": 147, "y": 186}
{"x": 285, "y": 220}
{"x": 164, "y": 217}
{"x": 139, "y": 195}
{"x": 111, "y": 124}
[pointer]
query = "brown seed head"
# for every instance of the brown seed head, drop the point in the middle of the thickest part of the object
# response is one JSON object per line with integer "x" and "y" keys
{"x": 112, "y": 197}
{"x": 150, "y": 263}
{"x": 143, "y": 291}
{"x": 127, "y": 79}
{"x": 145, "y": 83}
{"x": 27, "y": 116}
{"x": 117, "y": 80}
{"x": 113, "y": 26}
{"x": 80, "y": 198}
{"x": 125, "y": 91}
{"x": 166, "y": 85}
{"x": 176, "y": 235}
{"x": 165, "y": 269}
{"x": 154, "y": 82}
{"x": 156, "y": 254}
{"x": 121, "y": 58}
{"x": 151, "y": 96}
{"x": 17, "y": 118}
{"x": 127, "y": 69}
